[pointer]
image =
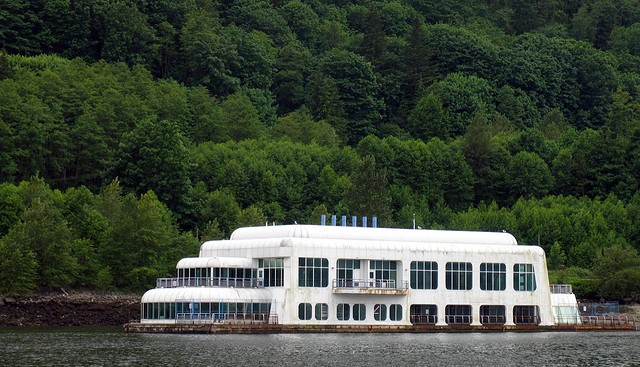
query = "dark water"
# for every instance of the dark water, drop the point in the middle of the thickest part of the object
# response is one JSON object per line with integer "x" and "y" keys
{"x": 112, "y": 347}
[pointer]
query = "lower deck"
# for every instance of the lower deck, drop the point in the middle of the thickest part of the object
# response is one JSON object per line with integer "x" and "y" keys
{"x": 619, "y": 323}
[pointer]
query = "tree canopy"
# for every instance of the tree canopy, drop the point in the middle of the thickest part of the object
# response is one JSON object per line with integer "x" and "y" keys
{"x": 143, "y": 127}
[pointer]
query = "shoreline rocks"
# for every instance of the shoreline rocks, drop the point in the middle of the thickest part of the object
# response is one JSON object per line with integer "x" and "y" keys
{"x": 70, "y": 309}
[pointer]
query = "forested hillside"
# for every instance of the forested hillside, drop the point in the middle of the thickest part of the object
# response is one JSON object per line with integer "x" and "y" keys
{"x": 132, "y": 130}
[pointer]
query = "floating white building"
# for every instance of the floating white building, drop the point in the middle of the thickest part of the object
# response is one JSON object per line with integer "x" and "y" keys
{"x": 306, "y": 276}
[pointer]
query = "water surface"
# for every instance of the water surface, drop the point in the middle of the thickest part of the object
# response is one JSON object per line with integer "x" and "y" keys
{"x": 113, "y": 347}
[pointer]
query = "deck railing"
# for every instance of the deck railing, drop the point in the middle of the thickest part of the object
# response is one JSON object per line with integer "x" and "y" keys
{"x": 239, "y": 318}
{"x": 610, "y": 320}
{"x": 493, "y": 319}
{"x": 370, "y": 284}
{"x": 561, "y": 288}
{"x": 208, "y": 282}
{"x": 424, "y": 319}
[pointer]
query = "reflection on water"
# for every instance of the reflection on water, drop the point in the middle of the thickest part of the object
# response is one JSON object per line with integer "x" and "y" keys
{"x": 112, "y": 347}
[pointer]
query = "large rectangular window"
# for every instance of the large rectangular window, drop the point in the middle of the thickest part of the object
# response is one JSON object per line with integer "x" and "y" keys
{"x": 493, "y": 276}
{"x": 459, "y": 276}
{"x": 524, "y": 277}
{"x": 424, "y": 275}
{"x": 457, "y": 314}
{"x": 384, "y": 272}
{"x": 273, "y": 271}
{"x": 345, "y": 272}
{"x": 526, "y": 315}
{"x": 313, "y": 272}
{"x": 492, "y": 315}
{"x": 423, "y": 314}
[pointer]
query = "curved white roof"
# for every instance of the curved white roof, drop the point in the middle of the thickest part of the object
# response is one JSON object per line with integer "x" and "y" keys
{"x": 214, "y": 262}
{"x": 207, "y": 294}
{"x": 212, "y": 247}
{"x": 374, "y": 234}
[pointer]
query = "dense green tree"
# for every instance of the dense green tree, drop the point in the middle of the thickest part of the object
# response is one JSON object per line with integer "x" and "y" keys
{"x": 210, "y": 58}
{"x": 357, "y": 89}
{"x": 289, "y": 79}
{"x": 128, "y": 37}
{"x": 557, "y": 258}
{"x": 368, "y": 195}
{"x": 456, "y": 50}
{"x": 299, "y": 126}
{"x": 258, "y": 15}
{"x": 241, "y": 118}
{"x": 43, "y": 232}
{"x": 625, "y": 44}
{"x": 153, "y": 157}
{"x": 528, "y": 176}
{"x": 429, "y": 119}
{"x": 303, "y": 21}
{"x": 18, "y": 268}
{"x": 11, "y": 207}
{"x": 324, "y": 102}
{"x": 619, "y": 269}
{"x": 462, "y": 97}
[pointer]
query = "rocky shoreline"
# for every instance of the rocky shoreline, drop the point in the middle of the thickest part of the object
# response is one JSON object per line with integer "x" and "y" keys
{"x": 70, "y": 309}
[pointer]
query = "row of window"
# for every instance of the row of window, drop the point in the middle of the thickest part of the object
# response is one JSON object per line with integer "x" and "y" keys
{"x": 314, "y": 272}
{"x": 226, "y": 273}
{"x": 345, "y": 312}
{"x": 459, "y": 276}
{"x": 202, "y": 310}
{"x": 422, "y": 314}
{"x": 462, "y": 315}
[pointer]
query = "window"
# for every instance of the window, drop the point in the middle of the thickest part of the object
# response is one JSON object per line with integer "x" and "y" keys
{"x": 423, "y": 314}
{"x": 524, "y": 277}
{"x": 313, "y": 272}
{"x": 526, "y": 315}
{"x": 345, "y": 272}
{"x": 457, "y": 314}
{"x": 492, "y": 315}
{"x": 304, "y": 311}
{"x": 493, "y": 277}
{"x": 273, "y": 271}
{"x": 343, "y": 311}
{"x": 395, "y": 312}
{"x": 459, "y": 276}
{"x": 424, "y": 275}
{"x": 322, "y": 311}
{"x": 380, "y": 312}
{"x": 359, "y": 312}
{"x": 384, "y": 272}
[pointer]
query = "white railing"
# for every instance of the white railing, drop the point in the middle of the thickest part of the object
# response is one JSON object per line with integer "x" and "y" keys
{"x": 370, "y": 284}
{"x": 561, "y": 288}
{"x": 208, "y": 282}
{"x": 216, "y": 317}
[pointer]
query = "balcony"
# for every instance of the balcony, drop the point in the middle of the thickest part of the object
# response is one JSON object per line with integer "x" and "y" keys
{"x": 208, "y": 282}
{"x": 371, "y": 286}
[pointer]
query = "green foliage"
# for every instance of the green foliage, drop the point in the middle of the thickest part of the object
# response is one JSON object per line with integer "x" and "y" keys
{"x": 18, "y": 267}
{"x": 463, "y": 97}
{"x": 153, "y": 157}
{"x": 619, "y": 269}
{"x": 368, "y": 195}
{"x": 524, "y": 99}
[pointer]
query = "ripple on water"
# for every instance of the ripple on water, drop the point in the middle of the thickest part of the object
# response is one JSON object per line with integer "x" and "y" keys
{"x": 108, "y": 347}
